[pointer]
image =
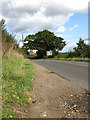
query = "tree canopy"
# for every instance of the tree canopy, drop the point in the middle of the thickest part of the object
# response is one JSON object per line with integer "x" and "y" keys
{"x": 44, "y": 41}
{"x": 82, "y": 49}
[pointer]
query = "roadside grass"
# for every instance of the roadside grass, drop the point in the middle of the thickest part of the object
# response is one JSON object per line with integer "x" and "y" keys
{"x": 31, "y": 56}
{"x": 17, "y": 76}
{"x": 72, "y": 59}
{"x": 75, "y": 59}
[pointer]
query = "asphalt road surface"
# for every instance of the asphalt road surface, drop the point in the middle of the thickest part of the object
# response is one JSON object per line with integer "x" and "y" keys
{"x": 74, "y": 71}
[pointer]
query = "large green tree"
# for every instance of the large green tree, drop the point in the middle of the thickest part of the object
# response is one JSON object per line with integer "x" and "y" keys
{"x": 44, "y": 41}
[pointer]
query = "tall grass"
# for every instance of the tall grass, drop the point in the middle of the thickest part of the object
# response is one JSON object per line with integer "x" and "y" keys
{"x": 17, "y": 80}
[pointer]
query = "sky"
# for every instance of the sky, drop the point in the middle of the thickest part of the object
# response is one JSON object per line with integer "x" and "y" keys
{"x": 66, "y": 18}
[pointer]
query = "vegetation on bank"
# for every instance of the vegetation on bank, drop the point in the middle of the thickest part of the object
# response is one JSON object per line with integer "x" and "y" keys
{"x": 17, "y": 80}
{"x": 17, "y": 75}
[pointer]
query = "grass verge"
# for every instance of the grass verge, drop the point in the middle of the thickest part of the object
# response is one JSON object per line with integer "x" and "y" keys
{"x": 72, "y": 59}
{"x": 17, "y": 80}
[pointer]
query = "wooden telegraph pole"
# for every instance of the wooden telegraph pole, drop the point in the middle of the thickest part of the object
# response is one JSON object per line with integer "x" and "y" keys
{"x": 22, "y": 41}
{"x": 23, "y": 44}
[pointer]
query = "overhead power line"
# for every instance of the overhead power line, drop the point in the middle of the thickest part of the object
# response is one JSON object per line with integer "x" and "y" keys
{"x": 16, "y": 19}
{"x": 14, "y": 14}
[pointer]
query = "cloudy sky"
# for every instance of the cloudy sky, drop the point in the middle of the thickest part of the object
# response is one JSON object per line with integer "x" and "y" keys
{"x": 66, "y": 18}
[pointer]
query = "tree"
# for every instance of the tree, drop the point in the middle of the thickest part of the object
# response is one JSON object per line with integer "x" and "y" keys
{"x": 8, "y": 40}
{"x": 44, "y": 41}
{"x": 89, "y": 51}
{"x": 82, "y": 50}
{"x": 2, "y": 25}
{"x": 6, "y": 36}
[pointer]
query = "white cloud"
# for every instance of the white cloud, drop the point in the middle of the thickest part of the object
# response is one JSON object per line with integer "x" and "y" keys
{"x": 1, "y": 17}
{"x": 58, "y": 35}
{"x": 20, "y": 44}
{"x": 35, "y": 15}
{"x": 72, "y": 28}
{"x": 67, "y": 41}
{"x": 87, "y": 42}
{"x": 61, "y": 29}
{"x": 69, "y": 46}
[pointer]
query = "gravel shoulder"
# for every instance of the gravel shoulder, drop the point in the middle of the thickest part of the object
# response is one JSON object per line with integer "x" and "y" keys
{"x": 54, "y": 97}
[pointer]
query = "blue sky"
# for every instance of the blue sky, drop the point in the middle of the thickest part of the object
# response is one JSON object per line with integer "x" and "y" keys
{"x": 66, "y": 18}
{"x": 81, "y": 31}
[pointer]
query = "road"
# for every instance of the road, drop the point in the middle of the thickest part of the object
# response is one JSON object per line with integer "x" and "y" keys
{"x": 74, "y": 71}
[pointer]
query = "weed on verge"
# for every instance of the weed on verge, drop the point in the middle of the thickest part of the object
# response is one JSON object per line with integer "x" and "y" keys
{"x": 17, "y": 75}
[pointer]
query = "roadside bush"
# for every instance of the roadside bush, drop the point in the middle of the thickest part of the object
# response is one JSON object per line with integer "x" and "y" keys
{"x": 63, "y": 55}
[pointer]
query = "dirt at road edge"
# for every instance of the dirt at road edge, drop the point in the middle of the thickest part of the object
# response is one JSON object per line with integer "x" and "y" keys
{"x": 54, "y": 97}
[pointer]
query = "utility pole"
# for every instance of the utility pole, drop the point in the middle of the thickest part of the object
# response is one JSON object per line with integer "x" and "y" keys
{"x": 22, "y": 41}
